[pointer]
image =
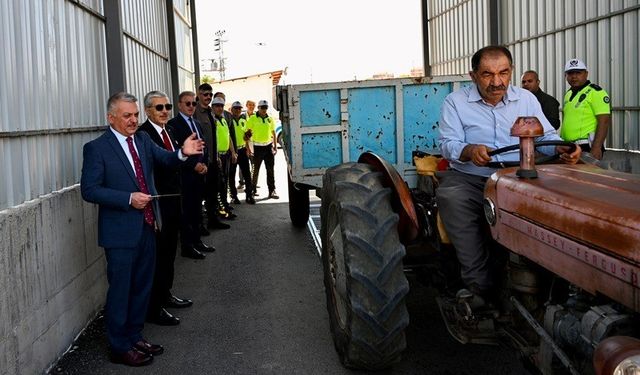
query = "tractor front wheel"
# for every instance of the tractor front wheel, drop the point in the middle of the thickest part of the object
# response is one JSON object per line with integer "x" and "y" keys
{"x": 363, "y": 271}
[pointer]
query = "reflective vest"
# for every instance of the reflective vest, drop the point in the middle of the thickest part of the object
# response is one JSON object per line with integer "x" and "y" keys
{"x": 579, "y": 113}
{"x": 222, "y": 134}
{"x": 261, "y": 129}
{"x": 240, "y": 127}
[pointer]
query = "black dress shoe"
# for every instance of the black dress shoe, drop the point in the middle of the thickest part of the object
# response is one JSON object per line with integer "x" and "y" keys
{"x": 217, "y": 224}
{"x": 203, "y": 231}
{"x": 235, "y": 200}
{"x": 251, "y": 200}
{"x": 164, "y": 318}
{"x": 133, "y": 358}
{"x": 176, "y": 302}
{"x": 204, "y": 248}
{"x": 191, "y": 252}
{"x": 147, "y": 348}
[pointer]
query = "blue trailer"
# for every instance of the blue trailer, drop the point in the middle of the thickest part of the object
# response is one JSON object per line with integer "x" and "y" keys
{"x": 355, "y": 142}
{"x": 327, "y": 124}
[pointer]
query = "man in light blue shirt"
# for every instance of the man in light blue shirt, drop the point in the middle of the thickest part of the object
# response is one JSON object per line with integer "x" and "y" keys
{"x": 475, "y": 120}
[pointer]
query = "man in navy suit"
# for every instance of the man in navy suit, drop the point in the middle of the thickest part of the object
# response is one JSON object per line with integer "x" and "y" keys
{"x": 117, "y": 174}
{"x": 193, "y": 174}
{"x": 167, "y": 181}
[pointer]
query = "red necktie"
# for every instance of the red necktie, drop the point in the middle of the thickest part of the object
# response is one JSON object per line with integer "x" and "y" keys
{"x": 148, "y": 211}
{"x": 166, "y": 141}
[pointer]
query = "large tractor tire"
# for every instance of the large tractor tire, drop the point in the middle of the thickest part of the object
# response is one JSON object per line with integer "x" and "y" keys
{"x": 298, "y": 204}
{"x": 363, "y": 272}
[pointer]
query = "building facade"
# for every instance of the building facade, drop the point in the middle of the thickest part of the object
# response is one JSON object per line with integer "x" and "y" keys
{"x": 59, "y": 62}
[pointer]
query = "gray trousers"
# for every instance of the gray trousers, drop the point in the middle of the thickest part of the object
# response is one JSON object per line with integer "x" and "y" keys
{"x": 459, "y": 198}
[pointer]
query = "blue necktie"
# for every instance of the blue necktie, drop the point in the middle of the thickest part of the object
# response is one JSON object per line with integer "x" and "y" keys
{"x": 193, "y": 127}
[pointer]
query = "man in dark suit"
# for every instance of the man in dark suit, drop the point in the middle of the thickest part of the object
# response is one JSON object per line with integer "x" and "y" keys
{"x": 192, "y": 178}
{"x": 117, "y": 174}
{"x": 550, "y": 106}
{"x": 167, "y": 181}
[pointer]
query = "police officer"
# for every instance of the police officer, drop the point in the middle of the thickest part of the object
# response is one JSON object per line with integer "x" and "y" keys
{"x": 586, "y": 110}
{"x": 239, "y": 128}
{"x": 226, "y": 153}
{"x": 263, "y": 135}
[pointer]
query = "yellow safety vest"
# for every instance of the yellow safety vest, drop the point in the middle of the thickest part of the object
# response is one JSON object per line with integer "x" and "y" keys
{"x": 261, "y": 129}
{"x": 222, "y": 135}
{"x": 579, "y": 113}
{"x": 240, "y": 127}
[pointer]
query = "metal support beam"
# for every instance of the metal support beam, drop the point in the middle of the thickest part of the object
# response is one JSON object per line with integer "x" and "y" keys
{"x": 173, "y": 52}
{"x": 425, "y": 39}
{"x": 494, "y": 23}
{"x": 194, "y": 40}
{"x": 115, "y": 46}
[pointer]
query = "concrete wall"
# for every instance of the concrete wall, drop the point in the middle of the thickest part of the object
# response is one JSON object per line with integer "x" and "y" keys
{"x": 52, "y": 278}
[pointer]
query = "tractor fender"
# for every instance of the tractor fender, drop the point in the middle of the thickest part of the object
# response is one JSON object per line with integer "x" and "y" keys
{"x": 401, "y": 200}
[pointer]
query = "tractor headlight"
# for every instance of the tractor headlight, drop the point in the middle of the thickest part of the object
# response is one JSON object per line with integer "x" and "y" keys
{"x": 617, "y": 355}
{"x": 489, "y": 211}
{"x": 629, "y": 366}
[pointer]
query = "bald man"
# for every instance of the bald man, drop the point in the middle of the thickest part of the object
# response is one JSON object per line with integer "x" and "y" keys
{"x": 550, "y": 106}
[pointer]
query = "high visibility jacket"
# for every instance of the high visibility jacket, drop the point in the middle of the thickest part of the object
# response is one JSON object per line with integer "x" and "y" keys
{"x": 222, "y": 134}
{"x": 240, "y": 127}
{"x": 580, "y": 110}
{"x": 262, "y": 129}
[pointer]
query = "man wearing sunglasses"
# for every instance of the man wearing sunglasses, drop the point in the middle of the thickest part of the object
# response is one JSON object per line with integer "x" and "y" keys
{"x": 212, "y": 180}
{"x": 192, "y": 177}
{"x": 118, "y": 176}
{"x": 167, "y": 180}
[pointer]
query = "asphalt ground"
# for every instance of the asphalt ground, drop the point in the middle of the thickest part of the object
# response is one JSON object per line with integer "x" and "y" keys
{"x": 259, "y": 308}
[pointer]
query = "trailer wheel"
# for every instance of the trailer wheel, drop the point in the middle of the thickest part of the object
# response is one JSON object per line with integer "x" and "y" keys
{"x": 363, "y": 272}
{"x": 298, "y": 204}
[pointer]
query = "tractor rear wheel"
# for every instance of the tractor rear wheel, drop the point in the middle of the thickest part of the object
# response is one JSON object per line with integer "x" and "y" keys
{"x": 363, "y": 272}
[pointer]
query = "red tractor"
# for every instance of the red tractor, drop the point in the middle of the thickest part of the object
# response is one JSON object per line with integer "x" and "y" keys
{"x": 569, "y": 236}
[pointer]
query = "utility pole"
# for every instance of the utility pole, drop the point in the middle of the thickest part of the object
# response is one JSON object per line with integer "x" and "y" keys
{"x": 218, "y": 43}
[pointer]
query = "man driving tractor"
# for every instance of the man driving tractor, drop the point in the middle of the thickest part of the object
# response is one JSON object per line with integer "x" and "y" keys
{"x": 474, "y": 121}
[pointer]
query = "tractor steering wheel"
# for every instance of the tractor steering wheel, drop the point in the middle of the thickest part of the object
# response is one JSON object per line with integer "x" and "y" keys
{"x": 541, "y": 160}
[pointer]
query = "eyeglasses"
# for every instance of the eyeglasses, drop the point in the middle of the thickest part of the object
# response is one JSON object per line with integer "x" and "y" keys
{"x": 189, "y": 104}
{"x": 207, "y": 94}
{"x": 159, "y": 107}
{"x": 263, "y": 107}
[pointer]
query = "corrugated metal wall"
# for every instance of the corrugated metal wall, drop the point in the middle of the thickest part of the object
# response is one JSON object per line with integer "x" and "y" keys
{"x": 53, "y": 69}
{"x": 184, "y": 44}
{"x": 146, "y": 46}
{"x": 54, "y": 83}
{"x": 457, "y": 28}
{"x": 543, "y": 35}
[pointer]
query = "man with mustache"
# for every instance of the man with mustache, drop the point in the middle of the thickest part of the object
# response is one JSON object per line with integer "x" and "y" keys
{"x": 475, "y": 120}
